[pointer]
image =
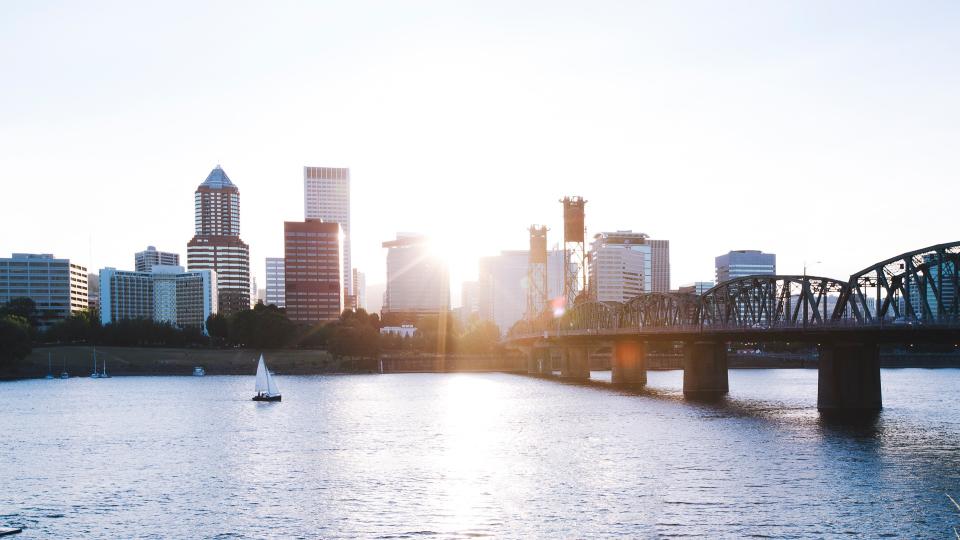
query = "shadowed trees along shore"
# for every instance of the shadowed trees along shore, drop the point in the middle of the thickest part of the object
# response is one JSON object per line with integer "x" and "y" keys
{"x": 355, "y": 334}
{"x": 19, "y": 319}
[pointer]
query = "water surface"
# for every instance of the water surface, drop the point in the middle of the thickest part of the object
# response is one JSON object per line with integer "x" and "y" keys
{"x": 466, "y": 455}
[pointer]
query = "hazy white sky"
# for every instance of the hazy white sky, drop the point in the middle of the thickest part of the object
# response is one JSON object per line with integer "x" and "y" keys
{"x": 821, "y": 131}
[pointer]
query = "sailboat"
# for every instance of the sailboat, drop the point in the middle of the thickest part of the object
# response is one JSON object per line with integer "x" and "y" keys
{"x": 49, "y": 368}
{"x": 94, "y": 375}
{"x": 103, "y": 372}
{"x": 266, "y": 387}
{"x": 64, "y": 374}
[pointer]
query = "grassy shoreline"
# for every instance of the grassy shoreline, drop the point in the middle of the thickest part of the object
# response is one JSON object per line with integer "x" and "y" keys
{"x": 175, "y": 361}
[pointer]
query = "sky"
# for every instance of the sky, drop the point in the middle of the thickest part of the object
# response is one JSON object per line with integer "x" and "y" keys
{"x": 824, "y": 132}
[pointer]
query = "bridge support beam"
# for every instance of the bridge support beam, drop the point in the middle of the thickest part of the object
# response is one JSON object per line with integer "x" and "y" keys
{"x": 705, "y": 368}
{"x": 849, "y": 378}
{"x": 629, "y": 363}
{"x": 576, "y": 364}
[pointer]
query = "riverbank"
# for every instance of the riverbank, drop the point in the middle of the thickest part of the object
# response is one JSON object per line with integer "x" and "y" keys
{"x": 78, "y": 362}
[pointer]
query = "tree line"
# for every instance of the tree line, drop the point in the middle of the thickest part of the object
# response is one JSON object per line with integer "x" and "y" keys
{"x": 354, "y": 334}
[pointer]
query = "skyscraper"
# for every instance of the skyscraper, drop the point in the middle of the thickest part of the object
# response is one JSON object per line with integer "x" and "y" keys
{"x": 216, "y": 244}
{"x": 745, "y": 262}
{"x": 418, "y": 282}
{"x": 145, "y": 260}
{"x": 312, "y": 254}
{"x": 326, "y": 196}
{"x": 275, "y": 282}
{"x": 624, "y": 264}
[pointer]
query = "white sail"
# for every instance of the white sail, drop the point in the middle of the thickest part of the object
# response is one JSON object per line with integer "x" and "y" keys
{"x": 272, "y": 389}
{"x": 263, "y": 377}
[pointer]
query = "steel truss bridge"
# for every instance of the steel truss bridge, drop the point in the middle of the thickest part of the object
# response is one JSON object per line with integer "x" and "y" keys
{"x": 909, "y": 298}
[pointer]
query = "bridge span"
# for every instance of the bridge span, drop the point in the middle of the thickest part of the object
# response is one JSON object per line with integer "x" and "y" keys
{"x": 908, "y": 299}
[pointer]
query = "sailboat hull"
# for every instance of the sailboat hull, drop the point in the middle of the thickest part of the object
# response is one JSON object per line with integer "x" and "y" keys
{"x": 266, "y": 398}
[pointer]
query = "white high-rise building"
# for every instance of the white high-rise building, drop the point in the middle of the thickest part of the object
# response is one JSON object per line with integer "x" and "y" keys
{"x": 145, "y": 260}
{"x": 360, "y": 288}
{"x": 165, "y": 294}
{"x": 418, "y": 281}
{"x": 326, "y": 196}
{"x": 276, "y": 279}
{"x": 501, "y": 294}
{"x": 624, "y": 264}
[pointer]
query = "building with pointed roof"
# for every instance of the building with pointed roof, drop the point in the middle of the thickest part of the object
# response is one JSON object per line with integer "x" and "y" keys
{"x": 216, "y": 244}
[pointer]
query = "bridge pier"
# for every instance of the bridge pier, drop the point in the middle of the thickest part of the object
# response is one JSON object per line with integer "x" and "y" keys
{"x": 533, "y": 364}
{"x": 629, "y": 363}
{"x": 705, "y": 368}
{"x": 576, "y": 363}
{"x": 849, "y": 378}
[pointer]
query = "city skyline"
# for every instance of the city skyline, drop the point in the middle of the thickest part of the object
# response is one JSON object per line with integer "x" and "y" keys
{"x": 854, "y": 113}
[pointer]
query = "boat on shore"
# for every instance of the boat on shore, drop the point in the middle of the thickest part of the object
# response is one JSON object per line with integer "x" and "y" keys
{"x": 266, "y": 387}
{"x": 49, "y": 367}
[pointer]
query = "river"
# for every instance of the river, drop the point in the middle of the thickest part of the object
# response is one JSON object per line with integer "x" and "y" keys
{"x": 471, "y": 455}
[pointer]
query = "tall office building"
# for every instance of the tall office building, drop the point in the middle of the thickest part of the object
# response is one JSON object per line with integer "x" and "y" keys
{"x": 164, "y": 294}
{"x": 216, "y": 244}
{"x": 275, "y": 282}
{"x": 925, "y": 304}
{"x": 418, "y": 282}
{"x": 745, "y": 262}
{"x": 313, "y": 251}
{"x": 360, "y": 289}
{"x": 57, "y": 286}
{"x": 624, "y": 264}
{"x": 697, "y": 287}
{"x": 326, "y": 196}
{"x": 145, "y": 260}
{"x": 502, "y": 285}
{"x": 469, "y": 300}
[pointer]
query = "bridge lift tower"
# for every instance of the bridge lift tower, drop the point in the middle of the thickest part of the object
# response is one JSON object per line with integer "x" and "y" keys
{"x": 537, "y": 291}
{"x": 575, "y": 252}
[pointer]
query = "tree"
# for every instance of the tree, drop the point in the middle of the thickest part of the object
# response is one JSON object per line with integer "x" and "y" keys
{"x": 218, "y": 327}
{"x": 263, "y": 327}
{"x": 481, "y": 338}
{"x": 22, "y": 307}
{"x": 14, "y": 339}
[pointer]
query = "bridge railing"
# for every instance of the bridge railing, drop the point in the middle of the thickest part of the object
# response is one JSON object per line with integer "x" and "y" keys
{"x": 781, "y": 326}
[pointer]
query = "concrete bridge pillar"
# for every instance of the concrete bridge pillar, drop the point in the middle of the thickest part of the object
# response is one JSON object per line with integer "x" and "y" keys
{"x": 705, "y": 368}
{"x": 533, "y": 364}
{"x": 629, "y": 364}
{"x": 849, "y": 377}
{"x": 576, "y": 364}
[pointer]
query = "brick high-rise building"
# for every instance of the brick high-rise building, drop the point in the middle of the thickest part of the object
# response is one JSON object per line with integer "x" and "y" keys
{"x": 313, "y": 252}
{"x": 216, "y": 244}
